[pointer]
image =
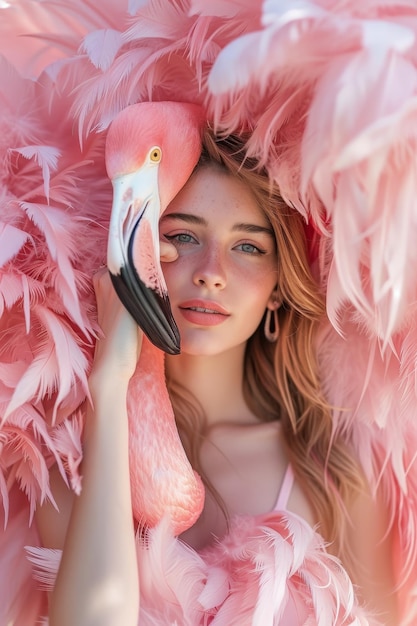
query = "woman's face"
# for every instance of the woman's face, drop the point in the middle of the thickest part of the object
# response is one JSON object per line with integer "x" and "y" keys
{"x": 226, "y": 270}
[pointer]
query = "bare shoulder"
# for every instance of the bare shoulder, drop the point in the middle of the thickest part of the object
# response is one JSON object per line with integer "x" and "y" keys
{"x": 299, "y": 504}
{"x": 52, "y": 523}
{"x": 371, "y": 544}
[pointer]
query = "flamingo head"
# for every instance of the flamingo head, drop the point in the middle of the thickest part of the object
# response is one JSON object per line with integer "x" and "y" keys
{"x": 151, "y": 151}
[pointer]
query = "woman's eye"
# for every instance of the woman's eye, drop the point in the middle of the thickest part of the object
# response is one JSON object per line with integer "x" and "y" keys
{"x": 250, "y": 248}
{"x": 180, "y": 238}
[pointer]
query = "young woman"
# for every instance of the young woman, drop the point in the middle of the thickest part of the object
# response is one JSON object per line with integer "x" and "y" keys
{"x": 253, "y": 421}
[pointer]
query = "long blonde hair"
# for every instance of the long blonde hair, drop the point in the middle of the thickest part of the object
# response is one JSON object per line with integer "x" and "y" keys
{"x": 281, "y": 380}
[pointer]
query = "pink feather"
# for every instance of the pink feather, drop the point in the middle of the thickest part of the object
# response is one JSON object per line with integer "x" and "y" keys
{"x": 101, "y": 46}
{"x": 36, "y": 34}
{"x": 48, "y": 319}
{"x": 21, "y": 603}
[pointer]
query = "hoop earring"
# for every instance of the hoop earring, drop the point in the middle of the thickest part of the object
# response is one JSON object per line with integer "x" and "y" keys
{"x": 271, "y": 327}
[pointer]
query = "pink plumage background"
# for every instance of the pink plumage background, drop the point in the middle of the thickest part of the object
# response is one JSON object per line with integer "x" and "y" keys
{"x": 328, "y": 90}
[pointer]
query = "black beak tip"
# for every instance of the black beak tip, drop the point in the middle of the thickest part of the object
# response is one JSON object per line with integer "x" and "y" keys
{"x": 151, "y": 311}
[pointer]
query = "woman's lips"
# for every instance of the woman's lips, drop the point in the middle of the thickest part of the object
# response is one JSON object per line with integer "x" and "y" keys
{"x": 203, "y": 312}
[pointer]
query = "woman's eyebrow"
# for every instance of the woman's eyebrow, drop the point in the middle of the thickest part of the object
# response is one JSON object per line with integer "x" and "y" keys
{"x": 190, "y": 218}
{"x": 252, "y": 228}
{"x": 185, "y": 217}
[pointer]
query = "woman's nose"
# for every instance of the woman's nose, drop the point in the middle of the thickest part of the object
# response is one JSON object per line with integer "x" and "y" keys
{"x": 210, "y": 270}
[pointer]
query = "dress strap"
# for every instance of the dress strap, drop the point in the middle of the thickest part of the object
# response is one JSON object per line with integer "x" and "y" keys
{"x": 284, "y": 492}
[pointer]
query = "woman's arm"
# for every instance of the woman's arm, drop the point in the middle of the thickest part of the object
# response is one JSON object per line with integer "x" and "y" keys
{"x": 97, "y": 583}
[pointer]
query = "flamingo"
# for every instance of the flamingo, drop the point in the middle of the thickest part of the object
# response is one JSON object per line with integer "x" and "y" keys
{"x": 147, "y": 169}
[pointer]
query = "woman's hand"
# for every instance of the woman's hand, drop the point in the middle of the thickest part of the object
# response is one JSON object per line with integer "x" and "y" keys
{"x": 117, "y": 351}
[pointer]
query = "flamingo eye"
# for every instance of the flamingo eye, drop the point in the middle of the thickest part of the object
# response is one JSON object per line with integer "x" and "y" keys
{"x": 155, "y": 154}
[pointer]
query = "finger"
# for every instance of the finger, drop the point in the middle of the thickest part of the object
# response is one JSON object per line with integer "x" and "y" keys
{"x": 168, "y": 251}
{"x": 106, "y": 297}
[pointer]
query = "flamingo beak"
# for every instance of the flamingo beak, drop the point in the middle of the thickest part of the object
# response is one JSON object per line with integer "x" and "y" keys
{"x": 133, "y": 256}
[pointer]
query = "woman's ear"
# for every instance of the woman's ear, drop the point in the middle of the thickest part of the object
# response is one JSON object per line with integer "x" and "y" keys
{"x": 274, "y": 301}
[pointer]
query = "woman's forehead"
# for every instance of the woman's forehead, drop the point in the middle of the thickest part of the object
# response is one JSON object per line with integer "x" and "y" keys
{"x": 211, "y": 190}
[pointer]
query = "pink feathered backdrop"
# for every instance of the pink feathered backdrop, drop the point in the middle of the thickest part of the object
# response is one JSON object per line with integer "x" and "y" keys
{"x": 328, "y": 90}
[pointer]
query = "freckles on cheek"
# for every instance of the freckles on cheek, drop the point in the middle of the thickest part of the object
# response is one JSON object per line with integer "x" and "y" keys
{"x": 171, "y": 273}
{"x": 259, "y": 275}
{"x": 165, "y": 267}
